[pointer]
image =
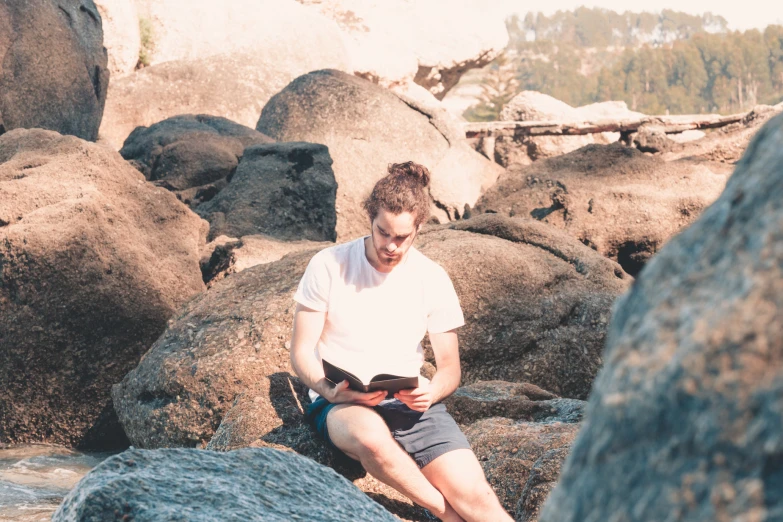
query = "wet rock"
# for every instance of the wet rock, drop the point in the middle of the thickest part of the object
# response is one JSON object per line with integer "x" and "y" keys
{"x": 53, "y": 74}
{"x": 93, "y": 261}
{"x": 179, "y": 484}
{"x": 284, "y": 190}
{"x": 514, "y": 454}
{"x": 684, "y": 419}
{"x": 613, "y": 198}
{"x": 189, "y": 151}
{"x": 518, "y": 401}
{"x": 366, "y": 128}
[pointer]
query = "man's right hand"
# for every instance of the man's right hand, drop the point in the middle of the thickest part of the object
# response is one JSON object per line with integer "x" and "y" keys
{"x": 341, "y": 394}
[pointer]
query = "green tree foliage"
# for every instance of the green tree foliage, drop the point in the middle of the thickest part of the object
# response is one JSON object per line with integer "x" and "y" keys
{"x": 497, "y": 89}
{"x": 657, "y": 63}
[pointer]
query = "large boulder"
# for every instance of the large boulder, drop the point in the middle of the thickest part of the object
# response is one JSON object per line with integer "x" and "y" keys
{"x": 536, "y": 301}
{"x": 53, "y": 66}
{"x": 684, "y": 419}
{"x": 397, "y": 42}
{"x": 515, "y": 454}
{"x": 615, "y": 199}
{"x": 192, "y": 155}
{"x": 284, "y": 190}
{"x": 536, "y": 106}
{"x": 182, "y": 484}
{"x": 366, "y": 128}
{"x": 93, "y": 261}
{"x": 122, "y": 36}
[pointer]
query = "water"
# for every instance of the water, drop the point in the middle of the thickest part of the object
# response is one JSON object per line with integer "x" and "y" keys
{"x": 35, "y": 478}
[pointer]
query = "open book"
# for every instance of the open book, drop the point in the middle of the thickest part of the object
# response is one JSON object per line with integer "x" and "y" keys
{"x": 383, "y": 381}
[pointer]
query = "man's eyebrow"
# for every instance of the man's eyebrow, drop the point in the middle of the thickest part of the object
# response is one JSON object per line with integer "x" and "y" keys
{"x": 381, "y": 229}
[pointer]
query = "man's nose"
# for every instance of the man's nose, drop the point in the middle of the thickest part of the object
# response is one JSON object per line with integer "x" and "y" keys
{"x": 392, "y": 246}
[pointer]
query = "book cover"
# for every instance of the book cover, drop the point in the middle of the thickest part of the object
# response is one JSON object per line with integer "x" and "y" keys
{"x": 391, "y": 383}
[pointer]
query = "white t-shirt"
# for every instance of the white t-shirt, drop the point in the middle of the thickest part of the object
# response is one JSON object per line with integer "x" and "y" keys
{"x": 375, "y": 321}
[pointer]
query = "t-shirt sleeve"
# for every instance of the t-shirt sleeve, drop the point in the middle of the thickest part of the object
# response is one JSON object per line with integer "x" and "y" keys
{"x": 445, "y": 311}
{"x": 313, "y": 290}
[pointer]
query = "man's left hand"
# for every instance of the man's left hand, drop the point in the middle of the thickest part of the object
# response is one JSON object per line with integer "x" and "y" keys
{"x": 418, "y": 399}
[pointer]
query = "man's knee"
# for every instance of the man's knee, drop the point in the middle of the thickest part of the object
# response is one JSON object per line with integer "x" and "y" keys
{"x": 359, "y": 431}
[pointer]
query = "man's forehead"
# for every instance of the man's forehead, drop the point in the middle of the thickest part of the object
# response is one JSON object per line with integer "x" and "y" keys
{"x": 402, "y": 224}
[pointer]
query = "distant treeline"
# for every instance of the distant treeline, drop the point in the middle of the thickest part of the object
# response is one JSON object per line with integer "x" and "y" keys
{"x": 592, "y": 55}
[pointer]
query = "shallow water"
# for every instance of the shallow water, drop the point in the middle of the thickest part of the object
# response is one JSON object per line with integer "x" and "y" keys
{"x": 35, "y": 478}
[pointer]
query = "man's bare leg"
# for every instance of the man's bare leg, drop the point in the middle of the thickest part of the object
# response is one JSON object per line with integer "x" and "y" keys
{"x": 460, "y": 478}
{"x": 363, "y": 435}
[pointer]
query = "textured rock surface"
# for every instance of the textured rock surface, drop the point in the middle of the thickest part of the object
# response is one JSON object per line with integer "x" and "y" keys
{"x": 182, "y": 484}
{"x": 684, "y": 419}
{"x": 517, "y": 401}
{"x": 220, "y": 344}
{"x": 536, "y": 302}
{"x": 509, "y": 452}
{"x": 190, "y": 152}
{"x": 93, "y": 260}
{"x": 540, "y": 483}
{"x": 121, "y": 35}
{"x": 284, "y": 190}
{"x": 235, "y": 85}
{"x": 430, "y": 42}
{"x": 611, "y": 197}
{"x": 53, "y": 72}
{"x": 366, "y": 128}
{"x": 225, "y": 255}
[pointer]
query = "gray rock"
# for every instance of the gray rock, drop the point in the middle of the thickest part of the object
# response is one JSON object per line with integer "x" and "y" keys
{"x": 540, "y": 483}
{"x": 53, "y": 72}
{"x": 93, "y": 261}
{"x": 284, "y": 190}
{"x": 366, "y": 128}
{"x": 684, "y": 420}
{"x": 189, "y": 151}
{"x": 194, "y": 485}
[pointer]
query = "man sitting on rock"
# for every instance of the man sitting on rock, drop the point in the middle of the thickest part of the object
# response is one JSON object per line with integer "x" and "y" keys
{"x": 365, "y": 306}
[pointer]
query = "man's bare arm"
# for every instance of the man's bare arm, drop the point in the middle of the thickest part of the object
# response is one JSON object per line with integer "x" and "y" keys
{"x": 308, "y": 326}
{"x": 446, "y": 379}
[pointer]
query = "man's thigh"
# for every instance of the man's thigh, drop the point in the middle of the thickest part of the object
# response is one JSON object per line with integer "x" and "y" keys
{"x": 354, "y": 429}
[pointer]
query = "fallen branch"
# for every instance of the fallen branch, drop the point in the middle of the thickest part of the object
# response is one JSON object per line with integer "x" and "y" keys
{"x": 667, "y": 124}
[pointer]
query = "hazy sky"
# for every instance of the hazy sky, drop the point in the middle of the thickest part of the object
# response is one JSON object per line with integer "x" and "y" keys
{"x": 741, "y": 14}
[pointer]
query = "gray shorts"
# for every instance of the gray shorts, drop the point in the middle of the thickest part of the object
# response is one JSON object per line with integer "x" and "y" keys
{"x": 425, "y": 436}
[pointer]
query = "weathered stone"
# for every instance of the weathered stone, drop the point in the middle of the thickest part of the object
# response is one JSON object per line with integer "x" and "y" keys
{"x": 53, "y": 71}
{"x": 284, "y": 190}
{"x": 366, "y": 128}
{"x": 613, "y": 198}
{"x": 540, "y": 483}
{"x": 189, "y": 151}
{"x": 187, "y": 484}
{"x": 517, "y": 401}
{"x": 509, "y": 452}
{"x": 93, "y": 261}
{"x": 121, "y": 35}
{"x": 684, "y": 420}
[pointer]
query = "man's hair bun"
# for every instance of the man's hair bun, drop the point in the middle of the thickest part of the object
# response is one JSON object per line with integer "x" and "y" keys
{"x": 413, "y": 170}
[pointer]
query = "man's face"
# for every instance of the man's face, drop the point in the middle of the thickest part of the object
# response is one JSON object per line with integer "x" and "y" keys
{"x": 392, "y": 237}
